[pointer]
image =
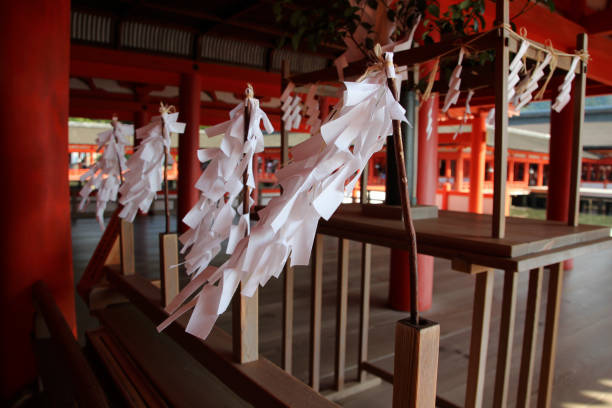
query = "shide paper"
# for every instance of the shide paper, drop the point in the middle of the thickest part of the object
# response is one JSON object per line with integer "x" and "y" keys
{"x": 454, "y": 84}
{"x": 291, "y": 108}
{"x": 529, "y": 84}
{"x": 105, "y": 175}
{"x": 563, "y": 96}
{"x": 145, "y": 167}
{"x": 210, "y": 221}
{"x": 322, "y": 169}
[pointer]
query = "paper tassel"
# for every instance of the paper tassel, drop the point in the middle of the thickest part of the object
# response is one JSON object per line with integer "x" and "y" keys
{"x": 314, "y": 183}
{"x": 210, "y": 221}
{"x": 468, "y": 111}
{"x": 563, "y": 95}
{"x": 290, "y": 106}
{"x": 145, "y": 173}
{"x": 515, "y": 68}
{"x": 454, "y": 84}
{"x": 105, "y": 175}
{"x": 529, "y": 84}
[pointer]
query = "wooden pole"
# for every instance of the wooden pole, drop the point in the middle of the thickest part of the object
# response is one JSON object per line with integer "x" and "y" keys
{"x": 576, "y": 164}
{"x": 406, "y": 215}
{"x": 501, "y": 120}
{"x": 245, "y": 313}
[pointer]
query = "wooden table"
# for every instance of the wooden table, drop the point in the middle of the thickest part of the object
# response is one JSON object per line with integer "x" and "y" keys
{"x": 464, "y": 238}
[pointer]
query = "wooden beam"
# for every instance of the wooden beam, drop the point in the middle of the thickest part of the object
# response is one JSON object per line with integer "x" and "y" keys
{"x": 506, "y": 337}
{"x": 364, "y": 311}
{"x": 316, "y": 304}
{"x": 168, "y": 265}
{"x": 341, "y": 312}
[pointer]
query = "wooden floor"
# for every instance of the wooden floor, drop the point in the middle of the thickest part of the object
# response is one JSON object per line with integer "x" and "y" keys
{"x": 583, "y": 375}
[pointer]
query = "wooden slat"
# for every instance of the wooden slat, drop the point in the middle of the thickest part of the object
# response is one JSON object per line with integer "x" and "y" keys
{"x": 245, "y": 327}
{"x": 576, "y": 161}
{"x": 549, "y": 349}
{"x": 506, "y": 336}
{"x": 481, "y": 321}
{"x": 127, "y": 248}
{"x": 316, "y": 300}
{"x": 364, "y": 312}
{"x": 363, "y": 185}
{"x": 168, "y": 252}
{"x": 261, "y": 382}
{"x": 88, "y": 391}
{"x": 377, "y": 371}
{"x": 287, "y": 335}
{"x": 500, "y": 159}
{"x": 415, "y": 369}
{"x": 341, "y": 312}
{"x": 529, "y": 338}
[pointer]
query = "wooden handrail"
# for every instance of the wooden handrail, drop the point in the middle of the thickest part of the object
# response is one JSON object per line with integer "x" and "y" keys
{"x": 88, "y": 391}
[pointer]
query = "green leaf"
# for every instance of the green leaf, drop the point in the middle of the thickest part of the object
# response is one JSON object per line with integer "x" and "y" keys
{"x": 434, "y": 10}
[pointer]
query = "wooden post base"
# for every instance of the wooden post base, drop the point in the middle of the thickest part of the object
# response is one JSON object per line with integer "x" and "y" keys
{"x": 245, "y": 327}
{"x": 168, "y": 254}
{"x": 416, "y": 364}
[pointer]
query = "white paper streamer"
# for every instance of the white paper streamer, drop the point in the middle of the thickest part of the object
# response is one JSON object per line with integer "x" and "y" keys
{"x": 210, "y": 221}
{"x": 145, "y": 173}
{"x": 429, "y": 128}
{"x": 529, "y": 84}
{"x": 314, "y": 183}
{"x": 563, "y": 97}
{"x": 515, "y": 68}
{"x": 468, "y": 111}
{"x": 312, "y": 110}
{"x": 105, "y": 175}
{"x": 454, "y": 84}
{"x": 291, "y": 108}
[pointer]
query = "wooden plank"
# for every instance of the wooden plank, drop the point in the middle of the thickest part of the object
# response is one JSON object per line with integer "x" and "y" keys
{"x": 416, "y": 364}
{"x": 316, "y": 303}
{"x": 364, "y": 311}
{"x": 287, "y": 335}
{"x": 168, "y": 252}
{"x": 352, "y": 388}
{"x": 576, "y": 161}
{"x": 245, "y": 327}
{"x": 481, "y": 321}
{"x": 363, "y": 185}
{"x": 127, "y": 248}
{"x": 530, "y": 337}
{"x": 549, "y": 348}
{"x": 341, "y": 312}
{"x": 261, "y": 382}
{"x": 506, "y": 336}
{"x": 377, "y": 371}
{"x": 500, "y": 159}
{"x": 88, "y": 391}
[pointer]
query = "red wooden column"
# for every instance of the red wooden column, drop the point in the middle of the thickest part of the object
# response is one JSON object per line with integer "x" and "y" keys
{"x": 427, "y": 183}
{"x": 459, "y": 171}
{"x": 189, "y": 143}
{"x": 560, "y": 151}
{"x": 35, "y": 210}
{"x": 477, "y": 162}
{"x": 540, "y": 174}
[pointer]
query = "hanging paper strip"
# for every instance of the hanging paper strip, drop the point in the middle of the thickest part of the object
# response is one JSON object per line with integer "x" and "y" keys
{"x": 312, "y": 110}
{"x": 515, "y": 68}
{"x": 466, "y": 114}
{"x": 314, "y": 183}
{"x": 145, "y": 173}
{"x": 210, "y": 221}
{"x": 454, "y": 84}
{"x": 290, "y": 106}
{"x": 563, "y": 95}
{"x": 105, "y": 175}
{"x": 529, "y": 84}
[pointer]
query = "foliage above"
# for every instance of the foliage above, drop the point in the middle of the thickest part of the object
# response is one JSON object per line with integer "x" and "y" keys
{"x": 315, "y": 23}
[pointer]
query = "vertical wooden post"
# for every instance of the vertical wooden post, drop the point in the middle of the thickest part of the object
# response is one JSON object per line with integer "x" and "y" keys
{"x": 245, "y": 313}
{"x": 576, "y": 163}
{"x": 126, "y": 236}
{"x": 549, "y": 349}
{"x": 287, "y": 337}
{"x": 529, "y": 337}
{"x": 364, "y": 312}
{"x": 168, "y": 252}
{"x": 415, "y": 370}
{"x": 481, "y": 321}
{"x": 501, "y": 120}
{"x": 341, "y": 312}
{"x": 316, "y": 298}
{"x": 506, "y": 336}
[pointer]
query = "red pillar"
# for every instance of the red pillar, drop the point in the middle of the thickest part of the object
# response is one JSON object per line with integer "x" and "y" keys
{"x": 459, "y": 171}
{"x": 189, "y": 143}
{"x": 35, "y": 211}
{"x": 477, "y": 163}
{"x": 540, "y": 174}
{"x": 557, "y": 203}
{"x": 427, "y": 183}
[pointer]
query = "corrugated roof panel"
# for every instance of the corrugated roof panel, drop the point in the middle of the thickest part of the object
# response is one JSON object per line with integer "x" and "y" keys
{"x": 155, "y": 38}
{"x": 90, "y": 27}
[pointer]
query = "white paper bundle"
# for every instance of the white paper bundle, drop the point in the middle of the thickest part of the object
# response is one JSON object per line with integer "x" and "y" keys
{"x": 468, "y": 111}
{"x": 105, "y": 175}
{"x": 291, "y": 108}
{"x": 529, "y": 84}
{"x": 314, "y": 183}
{"x": 145, "y": 173}
{"x": 563, "y": 96}
{"x": 429, "y": 127}
{"x": 210, "y": 221}
{"x": 454, "y": 84}
{"x": 515, "y": 68}
{"x": 312, "y": 110}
